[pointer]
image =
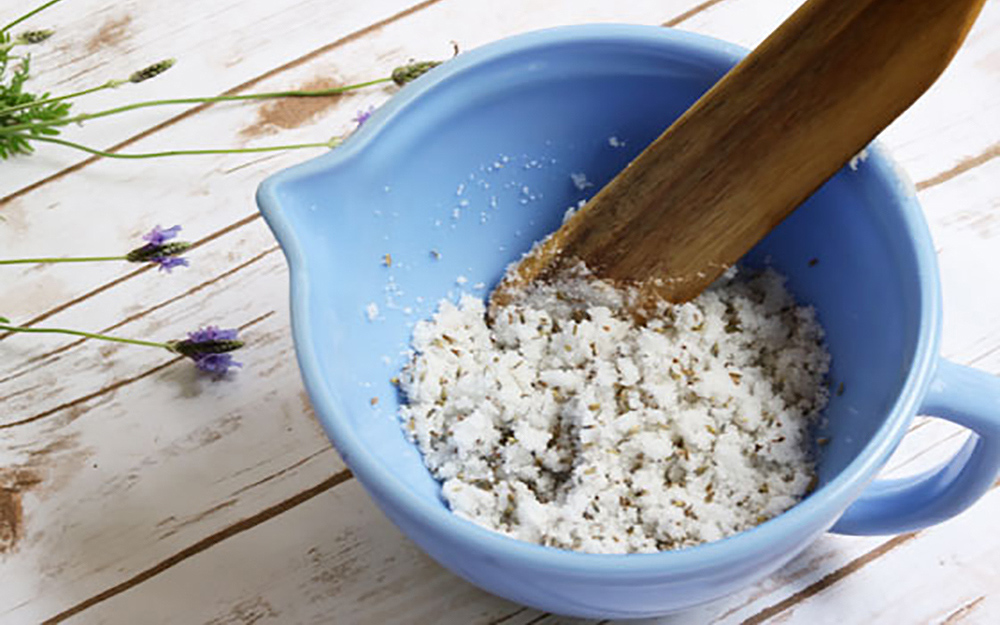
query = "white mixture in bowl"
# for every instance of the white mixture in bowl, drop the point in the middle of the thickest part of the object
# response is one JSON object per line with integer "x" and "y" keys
{"x": 567, "y": 422}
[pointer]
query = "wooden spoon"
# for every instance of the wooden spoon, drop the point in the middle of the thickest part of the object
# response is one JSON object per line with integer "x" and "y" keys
{"x": 756, "y": 145}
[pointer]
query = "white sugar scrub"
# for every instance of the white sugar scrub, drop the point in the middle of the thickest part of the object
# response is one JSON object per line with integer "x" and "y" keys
{"x": 569, "y": 422}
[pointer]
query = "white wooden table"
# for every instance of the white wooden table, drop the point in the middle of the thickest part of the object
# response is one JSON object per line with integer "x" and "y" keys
{"x": 133, "y": 490}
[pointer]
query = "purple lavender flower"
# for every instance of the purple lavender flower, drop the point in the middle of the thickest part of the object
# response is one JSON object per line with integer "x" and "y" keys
{"x": 212, "y": 333}
{"x": 216, "y": 364}
{"x": 157, "y": 249}
{"x": 167, "y": 263}
{"x": 207, "y": 347}
{"x": 158, "y": 236}
{"x": 363, "y": 116}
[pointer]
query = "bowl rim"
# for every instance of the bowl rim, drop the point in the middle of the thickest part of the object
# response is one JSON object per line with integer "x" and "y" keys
{"x": 817, "y": 512}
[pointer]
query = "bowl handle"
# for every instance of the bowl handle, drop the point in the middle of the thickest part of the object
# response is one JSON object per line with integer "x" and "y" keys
{"x": 962, "y": 395}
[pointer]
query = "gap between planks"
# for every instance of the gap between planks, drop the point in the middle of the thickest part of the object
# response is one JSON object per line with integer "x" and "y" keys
{"x": 695, "y": 10}
{"x": 205, "y": 543}
{"x": 961, "y": 613}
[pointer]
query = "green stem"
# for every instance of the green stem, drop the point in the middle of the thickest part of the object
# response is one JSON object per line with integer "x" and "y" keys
{"x": 29, "y": 14}
{"x": 269, "y": 148}
{"x": 195, "y": 100}
{"x": 111, "y": 84}
{"x": 37, "y": 261}
{"x": 86, "y": 335}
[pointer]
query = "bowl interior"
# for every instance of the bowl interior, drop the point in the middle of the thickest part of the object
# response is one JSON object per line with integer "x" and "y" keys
{"x": 459, "y": 177}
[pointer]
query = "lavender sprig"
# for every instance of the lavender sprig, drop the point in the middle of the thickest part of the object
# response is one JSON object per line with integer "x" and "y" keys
{"x": 159, "y": 249}
{"x": 208, "y": 348}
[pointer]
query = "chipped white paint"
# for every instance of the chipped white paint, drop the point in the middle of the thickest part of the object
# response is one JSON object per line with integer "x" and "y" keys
{"x": 223, "y": 503}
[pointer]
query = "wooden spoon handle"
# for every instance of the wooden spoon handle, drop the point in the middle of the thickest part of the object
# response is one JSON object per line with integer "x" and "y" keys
{"x": 759, "y": 143}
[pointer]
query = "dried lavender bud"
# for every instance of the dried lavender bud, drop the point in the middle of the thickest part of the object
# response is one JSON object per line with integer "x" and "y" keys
{"x": 193, "y": 349}
{"x": 410, "y": 72}
{"x": 34, "y": 36}
{"x": 153, "y": 253}
{"x": 152, "y": 71}
{"x": 207, "y": 348}
{"x": 157, "y": 250}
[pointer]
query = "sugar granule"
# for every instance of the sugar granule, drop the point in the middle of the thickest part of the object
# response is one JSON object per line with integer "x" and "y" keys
{"x": 568, "y": 423}
{"x": 580, "y": 181}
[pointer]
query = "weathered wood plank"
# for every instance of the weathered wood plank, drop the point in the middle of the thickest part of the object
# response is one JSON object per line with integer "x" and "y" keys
{"x": 354, "y": 569}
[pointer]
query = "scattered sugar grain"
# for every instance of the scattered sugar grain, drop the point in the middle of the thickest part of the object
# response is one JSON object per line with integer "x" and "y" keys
{"x": 580, "y": 181}
{"x": 572, "y": 210}
{"x": 857, "y": 159}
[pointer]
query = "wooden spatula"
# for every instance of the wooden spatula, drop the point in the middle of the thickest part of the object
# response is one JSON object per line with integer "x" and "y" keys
{"x": 777, "y": 126}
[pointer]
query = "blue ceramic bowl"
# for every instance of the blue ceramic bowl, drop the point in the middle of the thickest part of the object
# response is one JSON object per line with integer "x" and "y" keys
{"x": 465, "y": 168}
